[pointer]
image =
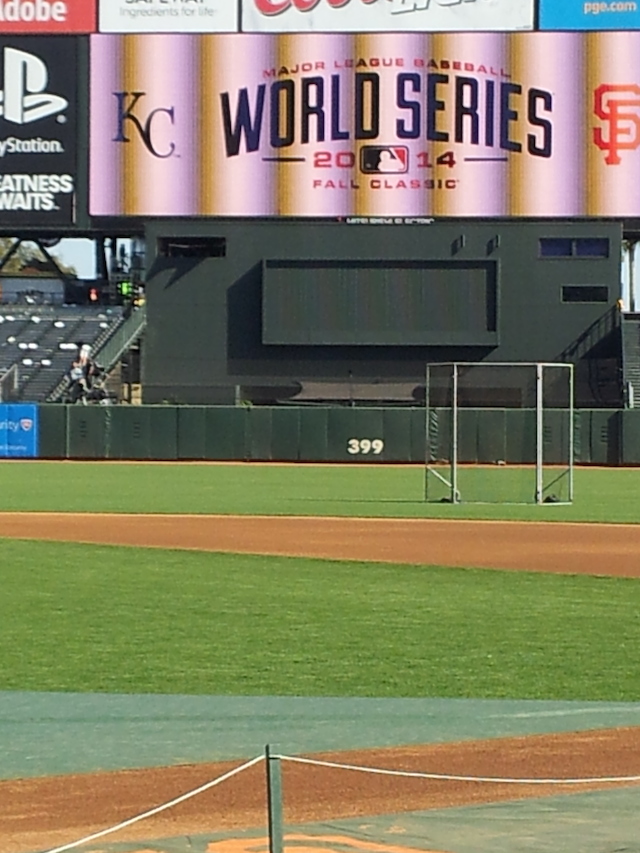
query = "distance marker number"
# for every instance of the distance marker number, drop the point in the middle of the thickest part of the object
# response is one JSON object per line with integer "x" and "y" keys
{"x": 363, "y": 446}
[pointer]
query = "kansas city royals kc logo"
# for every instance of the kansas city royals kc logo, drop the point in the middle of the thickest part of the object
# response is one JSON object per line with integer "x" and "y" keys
{"x": 127, "y": 101}
{"x": 619, "y": 107}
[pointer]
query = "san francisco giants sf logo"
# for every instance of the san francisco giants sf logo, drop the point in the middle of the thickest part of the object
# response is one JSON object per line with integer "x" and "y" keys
{"x": 617, "y": 106}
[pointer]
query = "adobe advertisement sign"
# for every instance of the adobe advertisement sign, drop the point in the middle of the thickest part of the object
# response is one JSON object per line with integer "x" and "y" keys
{"x": 594, "y": 15}
{"x": 169, "y": 16}
{"x": 37, "y": 130}
{"x": 299, "y": 16}
{"x": 468, "y": 125}
{"x": 47, "y": 16}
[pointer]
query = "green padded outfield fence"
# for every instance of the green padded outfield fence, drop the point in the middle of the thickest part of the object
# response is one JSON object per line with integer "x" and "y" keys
{"x": 318, "y": 434}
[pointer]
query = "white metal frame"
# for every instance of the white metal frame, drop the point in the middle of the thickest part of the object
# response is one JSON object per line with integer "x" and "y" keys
{"x": 453, "y": 483}
{"x": 9, "y": 381}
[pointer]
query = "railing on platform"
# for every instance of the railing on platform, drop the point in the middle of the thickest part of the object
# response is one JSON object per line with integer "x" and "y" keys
{"x": 122, "y": 339}
{"x": 9, "y": 382}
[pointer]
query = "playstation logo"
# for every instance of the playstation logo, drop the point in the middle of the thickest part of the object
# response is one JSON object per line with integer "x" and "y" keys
{"x": 24, "y": 99}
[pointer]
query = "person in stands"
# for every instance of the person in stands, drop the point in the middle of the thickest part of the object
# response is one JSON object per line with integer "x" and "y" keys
{"x": 77, "y": 382}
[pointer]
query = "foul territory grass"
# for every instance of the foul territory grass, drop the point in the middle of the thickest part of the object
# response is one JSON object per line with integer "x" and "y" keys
{"x": 253, "y": 488}
{"x": 89, "y": 618}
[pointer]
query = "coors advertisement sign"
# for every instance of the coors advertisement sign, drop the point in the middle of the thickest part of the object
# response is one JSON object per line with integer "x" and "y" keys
{"x": 472, "y": 124}
{"x": 298, "y": 16}
{"x": 37, "y": 130}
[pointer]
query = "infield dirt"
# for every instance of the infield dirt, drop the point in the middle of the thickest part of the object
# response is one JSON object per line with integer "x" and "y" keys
{"x": 594, "y": 549}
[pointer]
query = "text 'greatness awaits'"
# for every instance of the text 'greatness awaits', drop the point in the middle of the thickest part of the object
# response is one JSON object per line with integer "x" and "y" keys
{"x": 33, "y": 192}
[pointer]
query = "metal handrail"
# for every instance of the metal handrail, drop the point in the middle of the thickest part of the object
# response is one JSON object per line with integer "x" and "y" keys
{"x": 9, "y": 381}
{"x": 124, "y": 336}
{"x": 593, "y": 334}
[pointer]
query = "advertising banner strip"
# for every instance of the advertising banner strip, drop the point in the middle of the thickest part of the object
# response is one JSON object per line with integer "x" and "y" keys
{"x": 62, "y": 17}
{"x": 304, "y": 16}
{"x": 38, "y": 128}
{"x": 406, "y": 124}
{"x": 589, "y": 14}
{"x": 169, "y": 16}
{"x": 18, "y": 430}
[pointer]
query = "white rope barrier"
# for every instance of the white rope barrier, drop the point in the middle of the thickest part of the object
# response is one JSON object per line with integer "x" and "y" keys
{"x": 593, "y": 780}
{"x": 158, "y": 809}
{"x": 451, "y": 778}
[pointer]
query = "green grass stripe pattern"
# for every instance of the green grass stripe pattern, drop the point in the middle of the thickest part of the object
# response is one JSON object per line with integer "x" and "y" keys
{"x": 604, "y": 495}
{"x": 126, "y": 620}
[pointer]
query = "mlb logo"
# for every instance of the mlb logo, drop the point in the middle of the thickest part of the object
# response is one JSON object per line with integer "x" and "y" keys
{"x": 26, "y": 424}
{"x": 384, "y": 159}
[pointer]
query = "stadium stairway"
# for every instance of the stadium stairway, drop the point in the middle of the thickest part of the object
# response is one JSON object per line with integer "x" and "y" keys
{"x": 108, "y": 348}
{"x": 631, "y": 358}
{"x": 41, "y": 342}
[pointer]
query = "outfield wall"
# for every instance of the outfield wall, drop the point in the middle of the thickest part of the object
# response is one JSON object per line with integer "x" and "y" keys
{"x": 324, "y": 434}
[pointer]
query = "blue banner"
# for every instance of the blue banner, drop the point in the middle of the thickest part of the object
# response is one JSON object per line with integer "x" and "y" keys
{"x": 18, "y": 431}
{"x": 587, "y": 15}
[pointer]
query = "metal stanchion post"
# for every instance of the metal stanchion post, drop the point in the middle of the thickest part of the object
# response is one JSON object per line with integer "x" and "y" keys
{"x": 274, "y": 801}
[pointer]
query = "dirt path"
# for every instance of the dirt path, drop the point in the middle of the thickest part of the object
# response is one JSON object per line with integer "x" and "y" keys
{"x": 41, "y": 813}
{"x": 595, "y": 549}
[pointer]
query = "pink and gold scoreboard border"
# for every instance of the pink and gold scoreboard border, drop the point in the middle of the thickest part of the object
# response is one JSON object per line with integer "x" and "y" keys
{"x": 573, "y": 101}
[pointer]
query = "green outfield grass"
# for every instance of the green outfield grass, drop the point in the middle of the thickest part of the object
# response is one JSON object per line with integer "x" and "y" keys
{"x": 93, "y": 618}
{"x": 125, "y": 620}
{"x": 601, "y": 494}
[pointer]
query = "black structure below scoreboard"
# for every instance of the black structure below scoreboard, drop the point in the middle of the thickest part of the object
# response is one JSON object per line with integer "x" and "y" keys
{"x": 257, "y": 310}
